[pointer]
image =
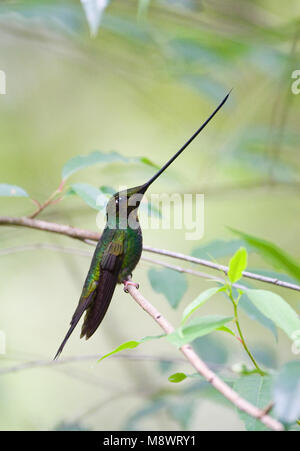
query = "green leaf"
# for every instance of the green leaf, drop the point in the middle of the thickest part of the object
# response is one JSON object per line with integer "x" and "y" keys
{"x": 257, "y": 315}
{"x": 70, "y": 426}
{"x": 227, "y": 330}
{"x": 274, "y": 274}
{"x": 217, "y": 249}
{"x": 264, "y": 354}
{"x": 145, "y": 411}
{"x": 257, "y": 390}
{"x": 130, "y": 30}
{"x": 244, "y": 370}
{"x": 150, "y": 209}
{"x": 177, "y": 377}
{"x": 130, "y": 345}
{"x": 98, "y": 198}
{"x": 90, "y": 195}
{"x": 211, "y": 349}
{"x": 182, "y": 411}
{"x": 143, "y": 6}
{"x": 277, "y": 309}
{"x": 197, "y": 327}
{"x": 246, "y": 155}
{"x": 237, "y": 265}
{"x": 287, "y": 393}
{"x": 12, "y": 191}
{"x": 172, "y": 284}
{"x": 165, "y": 366}
{"x": 200, "y": 300}
{"x": 271, "y": 252}
{"x": 83, "y": 161}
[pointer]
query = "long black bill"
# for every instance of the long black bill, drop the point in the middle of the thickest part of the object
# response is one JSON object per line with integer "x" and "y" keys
{"x": 146, "y": 185}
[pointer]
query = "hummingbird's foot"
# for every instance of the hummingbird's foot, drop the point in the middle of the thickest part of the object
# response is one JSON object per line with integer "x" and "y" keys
{"x": 128, "y": 282}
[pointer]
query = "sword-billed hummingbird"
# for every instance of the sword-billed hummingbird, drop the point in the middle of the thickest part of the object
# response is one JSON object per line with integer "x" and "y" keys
{"x": 117, "y": 253}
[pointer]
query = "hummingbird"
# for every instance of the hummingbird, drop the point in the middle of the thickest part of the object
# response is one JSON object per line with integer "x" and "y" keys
{"x": 118, "y": 251}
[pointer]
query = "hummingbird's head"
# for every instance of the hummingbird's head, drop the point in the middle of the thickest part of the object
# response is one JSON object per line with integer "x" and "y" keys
{"x": 124, "y": 204}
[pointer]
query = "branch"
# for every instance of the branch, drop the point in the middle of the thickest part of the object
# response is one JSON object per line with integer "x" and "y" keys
{"x": 46, "y": 226}
{"x": 203, "y": 369}
{"x": 88, "y": 236}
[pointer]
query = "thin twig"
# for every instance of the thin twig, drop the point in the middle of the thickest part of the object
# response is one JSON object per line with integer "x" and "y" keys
{"x": 82, "y": 358}
{"x": 203, "y": 369}
{"x": 187, "y": 350}
{"x": 218, "y": 267}
{"x": 86, "y": 235}
{"x": 50, "y": 201}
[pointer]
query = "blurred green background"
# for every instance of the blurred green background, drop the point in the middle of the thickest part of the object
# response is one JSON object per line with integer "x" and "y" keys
{"x": 153, "y": 73}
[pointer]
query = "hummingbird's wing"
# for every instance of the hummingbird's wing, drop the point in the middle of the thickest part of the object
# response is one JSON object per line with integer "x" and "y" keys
{"x": 109, "y": 270}
{"x": 99, "y": 285}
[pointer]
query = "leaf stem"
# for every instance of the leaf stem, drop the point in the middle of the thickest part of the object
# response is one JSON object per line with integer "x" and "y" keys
{"x": 51, "y": 200}
{"x": 242, "y": 339}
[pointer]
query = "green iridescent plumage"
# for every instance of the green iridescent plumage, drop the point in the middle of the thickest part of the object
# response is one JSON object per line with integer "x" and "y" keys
{"x": 117, "y": 253}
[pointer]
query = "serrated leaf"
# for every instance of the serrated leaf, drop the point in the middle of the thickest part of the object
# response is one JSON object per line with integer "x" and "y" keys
{"x": 177, "y": 377}
{"x": 287, "y": 393}
{"x": 237, "y": 265}
{"x": 168, "y": 282}
{"x": 257, "y": 390}
{"x": 276, "y": 256}
{"x": 197, "y": 327}
{"x": 200, "y": 300}
{"x": 130, "y": 345}
{"x": 12, "y": 191}
{"x": 277, "y": 309}
{"x": 97, "y": 157}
